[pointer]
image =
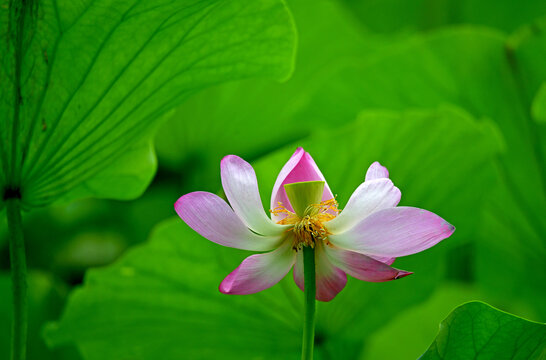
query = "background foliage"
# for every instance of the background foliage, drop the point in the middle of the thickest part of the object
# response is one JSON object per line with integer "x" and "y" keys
{"x": 129, "y": 101}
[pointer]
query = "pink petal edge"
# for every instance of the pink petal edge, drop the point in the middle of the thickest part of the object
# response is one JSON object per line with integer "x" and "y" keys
{"x": 369, "y": 197}
{"x": 300, "y": 167}
{"x": 394, "y": 232}
{"x": 364, "y": 267}
{"x": 212, "y": 218}
{"x": 376, "y": 171}
{"x": 259, "y": 272}
{"x": 241, "y": 188}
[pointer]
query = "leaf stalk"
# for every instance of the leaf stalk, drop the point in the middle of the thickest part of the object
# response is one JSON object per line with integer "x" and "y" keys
{"x": 310, "y": 303}
{"x": 19, "y": 280}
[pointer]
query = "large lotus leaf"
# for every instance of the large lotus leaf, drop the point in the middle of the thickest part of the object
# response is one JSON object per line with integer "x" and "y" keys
{"x": 84, "y": 83}
{"x": 253, "y": 117}
{"x": 126, "y": 178}
{"x": 161, "y": 299}
{"x": 478, "y": 331}
{"x": 471, "y": 68}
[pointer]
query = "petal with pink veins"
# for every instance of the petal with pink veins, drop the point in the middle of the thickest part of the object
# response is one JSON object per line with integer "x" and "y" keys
{"x": 376, "y": 171}
{"x": 241, "y": 188}
{"x": 300, "y": 167}
{"x": 213, "y": 219}
{"x": 369, "y": 197}
{"x": 363, "y": 267}
{"x": 260, "y": 272}
{"x": 330, "y": 280}
{"x": 394, "y": 232}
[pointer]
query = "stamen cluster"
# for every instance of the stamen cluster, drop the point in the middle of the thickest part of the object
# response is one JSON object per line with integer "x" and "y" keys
{"x": 309, "y": 228}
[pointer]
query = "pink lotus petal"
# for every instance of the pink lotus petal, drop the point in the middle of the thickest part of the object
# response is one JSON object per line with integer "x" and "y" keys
{"x": 260, "y": 272}
{"x": 300, "y": 167}
{"x": 298, "y": 270}
{"x": 363, "y": 267}
{"x": 369, "y": 197}
{"x": 330, "y": 280}
{"x": 394, "y": 232}
{"x": 213, "y": 219}
{"x": 384, "y": 259}
{"x": 285, "y": 171}
{"x": 241, "y": 188}
{"x": 376, "y": 171}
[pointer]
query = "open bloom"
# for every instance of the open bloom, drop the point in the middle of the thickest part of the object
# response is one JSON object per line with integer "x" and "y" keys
{"x": 363, "y": 240}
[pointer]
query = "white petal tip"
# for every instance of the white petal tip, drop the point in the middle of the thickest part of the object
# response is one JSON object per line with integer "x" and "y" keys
{"x": 377, "y": 171}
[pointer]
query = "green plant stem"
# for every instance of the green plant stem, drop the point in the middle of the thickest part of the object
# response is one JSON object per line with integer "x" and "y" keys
{"x": 310, "y": 303}
{"x": 18, "y": 279}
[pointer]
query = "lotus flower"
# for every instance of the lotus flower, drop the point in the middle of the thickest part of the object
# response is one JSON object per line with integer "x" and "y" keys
{"x": 362, "y": 241}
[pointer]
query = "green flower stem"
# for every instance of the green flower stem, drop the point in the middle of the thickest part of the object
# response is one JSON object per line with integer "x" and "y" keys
{"x": 18, "y": 279}
{"x": 310, "y": 303}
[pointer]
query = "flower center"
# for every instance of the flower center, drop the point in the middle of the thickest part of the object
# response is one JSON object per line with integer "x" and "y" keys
{"x": 309, "y": 228}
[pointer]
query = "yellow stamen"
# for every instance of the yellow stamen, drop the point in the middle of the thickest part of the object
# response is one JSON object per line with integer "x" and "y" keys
{"x": 310, "y": 227}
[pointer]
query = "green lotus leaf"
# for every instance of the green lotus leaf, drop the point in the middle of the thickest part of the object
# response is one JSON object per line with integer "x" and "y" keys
{"x": 478, "y": 331}
{"x": 86, "y": 83}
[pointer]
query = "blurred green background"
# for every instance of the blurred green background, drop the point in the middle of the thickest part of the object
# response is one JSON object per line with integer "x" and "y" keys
{"x": 449, "y": 95}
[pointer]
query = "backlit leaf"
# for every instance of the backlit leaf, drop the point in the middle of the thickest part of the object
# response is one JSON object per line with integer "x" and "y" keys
{"x": 85, "y": 82}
